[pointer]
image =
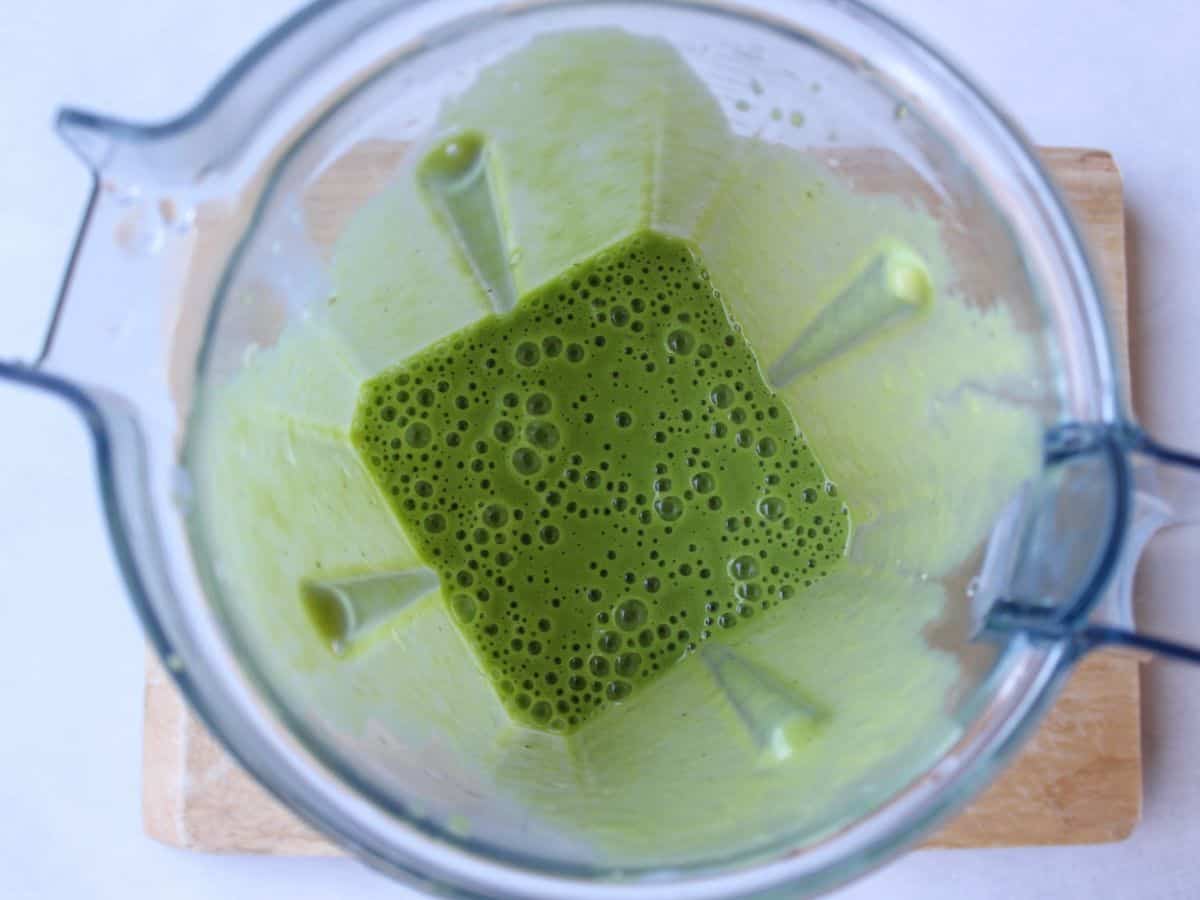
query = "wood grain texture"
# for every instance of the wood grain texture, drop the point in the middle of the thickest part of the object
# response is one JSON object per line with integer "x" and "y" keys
{"x": 1079, "y": 780}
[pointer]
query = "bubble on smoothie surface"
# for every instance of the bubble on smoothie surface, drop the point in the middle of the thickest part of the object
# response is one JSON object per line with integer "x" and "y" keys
{"x": 601, "y": 479}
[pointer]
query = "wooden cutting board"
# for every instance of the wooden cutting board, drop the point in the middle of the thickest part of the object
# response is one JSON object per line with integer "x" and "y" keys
{"x": 1079, "y": 780}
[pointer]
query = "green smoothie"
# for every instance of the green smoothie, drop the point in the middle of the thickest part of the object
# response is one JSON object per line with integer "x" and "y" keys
{"x": 601, "y": 479}
{"x": 596, "y": 597}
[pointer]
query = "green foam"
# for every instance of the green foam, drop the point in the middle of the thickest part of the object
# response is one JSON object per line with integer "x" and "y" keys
{"x": 602, "y": 480}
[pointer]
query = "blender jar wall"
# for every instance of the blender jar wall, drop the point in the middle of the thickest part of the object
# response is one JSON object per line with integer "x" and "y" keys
{"x": 143, "y": 497}
{"x": 853, "y": 132}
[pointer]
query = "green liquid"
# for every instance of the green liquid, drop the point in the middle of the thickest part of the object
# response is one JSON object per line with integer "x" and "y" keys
{"x": 792, "y": 723}
{"x": 601, "y": 479}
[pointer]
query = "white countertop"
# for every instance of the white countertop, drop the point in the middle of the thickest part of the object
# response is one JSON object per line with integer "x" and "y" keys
{"x": 1076, "y": 72}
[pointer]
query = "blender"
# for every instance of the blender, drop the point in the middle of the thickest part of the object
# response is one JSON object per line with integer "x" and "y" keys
{"x": 945, "y": 354}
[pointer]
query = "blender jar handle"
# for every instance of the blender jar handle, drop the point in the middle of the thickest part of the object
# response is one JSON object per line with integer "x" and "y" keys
{"x": 1151, "y": 487}
{"x": 1166, "y": 492}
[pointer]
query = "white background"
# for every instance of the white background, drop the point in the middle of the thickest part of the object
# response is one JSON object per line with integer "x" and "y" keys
{"x": 1104, "y": 73}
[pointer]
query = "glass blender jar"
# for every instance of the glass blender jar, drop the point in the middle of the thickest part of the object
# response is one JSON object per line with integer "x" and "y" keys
{"x": 208, "y": 237}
